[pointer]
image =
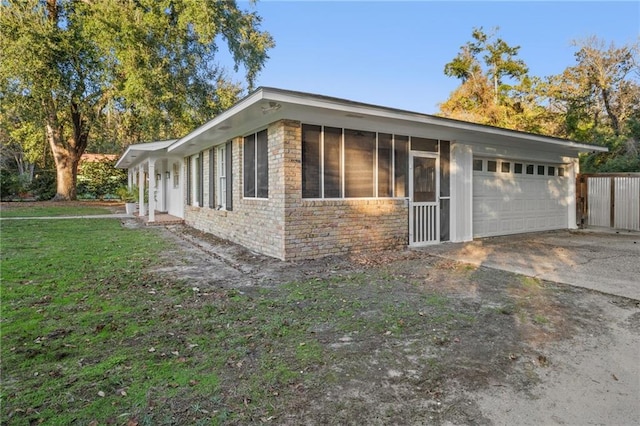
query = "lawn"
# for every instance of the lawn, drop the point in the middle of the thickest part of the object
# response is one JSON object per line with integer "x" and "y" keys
{"x": 90, "y": 335}
{"x": 48, "y": 209}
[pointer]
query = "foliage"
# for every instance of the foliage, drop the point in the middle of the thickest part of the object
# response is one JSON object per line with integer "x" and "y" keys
{"x": 43, "y": 185}
{"x": 127, "y": 71}
{"x": 128, "y": 195}
{"x": 595, "y": 101}
{"x": 100, "y": 178}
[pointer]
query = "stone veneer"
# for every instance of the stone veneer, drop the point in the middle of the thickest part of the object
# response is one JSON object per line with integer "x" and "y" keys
{"x": 288, "y": 227}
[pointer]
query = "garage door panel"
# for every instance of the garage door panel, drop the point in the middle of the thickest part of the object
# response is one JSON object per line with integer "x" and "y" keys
{"x": 508, "y": 203}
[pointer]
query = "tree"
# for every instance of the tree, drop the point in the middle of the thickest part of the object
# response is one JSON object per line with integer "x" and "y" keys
{"x": 598, "y": 100}
{"x": 500, "y": 65}
{"x": 149, "y": 63}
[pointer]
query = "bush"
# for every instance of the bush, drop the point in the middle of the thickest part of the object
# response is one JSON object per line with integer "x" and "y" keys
{"x": 100, "y": 179}
{"x": 11, "y": 185}
{"x": 43, "y": 185}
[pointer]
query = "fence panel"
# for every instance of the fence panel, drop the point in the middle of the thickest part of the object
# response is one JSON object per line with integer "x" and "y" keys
{"x": 599, "y": 201}
{"x": 627, "y": 203}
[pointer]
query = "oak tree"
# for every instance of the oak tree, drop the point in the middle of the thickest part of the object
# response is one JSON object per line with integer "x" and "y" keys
{"x": 150, "y": 65}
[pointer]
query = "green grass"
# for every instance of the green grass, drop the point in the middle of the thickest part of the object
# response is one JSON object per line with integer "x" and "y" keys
{"x": 52, "y": 211}
{"x": 90, "y": 333}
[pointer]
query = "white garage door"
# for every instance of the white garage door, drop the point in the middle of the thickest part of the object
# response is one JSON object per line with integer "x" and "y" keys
{"x": 511, "y": 197}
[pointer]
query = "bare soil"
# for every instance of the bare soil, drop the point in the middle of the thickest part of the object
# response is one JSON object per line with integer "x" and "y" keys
{"x": 508, "y": 349}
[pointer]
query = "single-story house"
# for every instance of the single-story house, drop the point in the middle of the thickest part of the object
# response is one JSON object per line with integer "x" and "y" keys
{"x": 296, "y": 176}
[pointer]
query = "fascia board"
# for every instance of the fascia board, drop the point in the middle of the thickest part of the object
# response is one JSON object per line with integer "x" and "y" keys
{"x": 241, "y": 105}
{"x": 349, "y": 107}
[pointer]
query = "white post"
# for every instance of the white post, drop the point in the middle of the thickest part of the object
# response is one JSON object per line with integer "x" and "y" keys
{"x": 152, "y": 190}
{"x": 141, "y": 209}
{"x": 129, "y": 178}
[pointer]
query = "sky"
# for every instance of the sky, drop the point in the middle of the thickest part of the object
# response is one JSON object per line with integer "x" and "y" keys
{"x": 393, "y": 53}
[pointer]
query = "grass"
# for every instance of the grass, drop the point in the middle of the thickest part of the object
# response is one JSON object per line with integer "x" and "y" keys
{"x": 90, "y": 335}
{"x": 52, "y": 211}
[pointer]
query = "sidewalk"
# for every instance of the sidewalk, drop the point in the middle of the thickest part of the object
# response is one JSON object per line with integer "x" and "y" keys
{"x": 93, "y": 216}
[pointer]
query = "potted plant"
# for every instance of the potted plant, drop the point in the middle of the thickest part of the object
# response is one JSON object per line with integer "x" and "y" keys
{"x": 129, "y": 196}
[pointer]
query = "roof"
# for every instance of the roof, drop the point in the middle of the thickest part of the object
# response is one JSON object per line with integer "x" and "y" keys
{"x": 96, "y": 158}
{"x": 266, "y": 105}
{"x": 273, "y": 104}
{"x": 138, "y": 152}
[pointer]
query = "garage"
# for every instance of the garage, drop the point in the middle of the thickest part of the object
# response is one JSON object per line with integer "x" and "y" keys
{"x": 512, "y": 197}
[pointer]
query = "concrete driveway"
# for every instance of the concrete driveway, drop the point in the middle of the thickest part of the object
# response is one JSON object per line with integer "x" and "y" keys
{"x": 602, "y": 260}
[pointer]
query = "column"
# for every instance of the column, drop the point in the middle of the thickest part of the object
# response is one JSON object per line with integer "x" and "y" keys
{"x": 152, "y": 190}
{"x": 141, "y": 206}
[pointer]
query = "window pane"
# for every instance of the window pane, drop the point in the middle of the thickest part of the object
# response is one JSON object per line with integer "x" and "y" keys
{"x": 541, "y": 170}
{"x": 477, "y": 165}
{"x": 249, "y": 163}
{"x": 262, "y": 165}
{"x": 384, "y": 165}
{"x": 332, "y": 162}
{"x": 401, "y": 164}
{"x": 517, "y": 168}
{"x": 551, "y": 171}
{"x": 444, "y": 168}
{"x": 310, "y": 161}
{"x": 529, "y": 169}
{"x": 505, "y": 167}
{"x": 492, "y": 166}
{"x": 424, "y": 179}
{"x": 422, "y": 144}
{"x": 359, "y": 159}
{"x": 560, "y": 171}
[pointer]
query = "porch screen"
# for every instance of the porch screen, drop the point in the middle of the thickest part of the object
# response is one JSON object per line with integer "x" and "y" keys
{"x": 359, "y": 158}
{"x": 311, "y": 161}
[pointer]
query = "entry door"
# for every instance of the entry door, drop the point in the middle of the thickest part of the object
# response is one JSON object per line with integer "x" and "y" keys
{"x": 424, "y": 212}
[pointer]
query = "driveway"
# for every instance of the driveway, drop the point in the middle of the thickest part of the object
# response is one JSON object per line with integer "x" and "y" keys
{"x": 602, "y": 260}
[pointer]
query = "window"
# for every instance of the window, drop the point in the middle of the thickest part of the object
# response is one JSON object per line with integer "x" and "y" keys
{"x": 505, "y": 167}
{"x": 517, "y": 168}
{"x": 189, "y": 182}
{"x": 540, "y": 170}
{"x": 422, "y": 144}
{"x": 551, "y": 171}
{"x": 477, "y": 165}
{"x": 350, "y": 163}
{"x": 385, "y": 157}
{"x": 223, "y": 177}
{"x": 311, "y": 161}
{"x": 212, "y": 179}
{"x": 560, "y": 171}
{"x": 332, "y": 162}
{"x": 199, "y": 179}
{"x": 256, "y": 165}
{"x": 359, "y": 158}
{"x": 492, "y": 166}
{"x": 176, "y": 175}
{"x": 529, "y": 169}
{"x": 401, "y": 166}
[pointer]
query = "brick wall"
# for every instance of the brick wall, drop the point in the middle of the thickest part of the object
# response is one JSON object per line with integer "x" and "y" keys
{"x": 287, "y": 227}
{"x": 317, "y": 228}
{"x": 257, "y": 224}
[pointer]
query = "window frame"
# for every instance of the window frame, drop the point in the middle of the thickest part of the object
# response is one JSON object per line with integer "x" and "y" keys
{"x": 398, "y": 176}
{"x": 260, "y": 163}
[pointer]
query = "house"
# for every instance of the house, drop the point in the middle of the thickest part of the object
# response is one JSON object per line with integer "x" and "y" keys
{"x": 296, "y": 176}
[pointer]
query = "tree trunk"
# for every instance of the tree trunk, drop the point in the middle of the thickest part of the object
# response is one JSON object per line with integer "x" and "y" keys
{"x": 66, "y": 154}
{"x": 615, "y": 123}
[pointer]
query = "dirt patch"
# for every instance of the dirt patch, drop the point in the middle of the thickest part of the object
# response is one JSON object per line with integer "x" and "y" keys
{"x": 429, "y": 341}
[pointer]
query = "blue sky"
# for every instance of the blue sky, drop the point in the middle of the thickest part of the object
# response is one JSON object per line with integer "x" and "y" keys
{"x": 393, "y": 53}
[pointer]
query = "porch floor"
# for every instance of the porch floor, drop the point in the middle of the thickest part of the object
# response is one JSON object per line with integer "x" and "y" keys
{"x": 161, "y": 219}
